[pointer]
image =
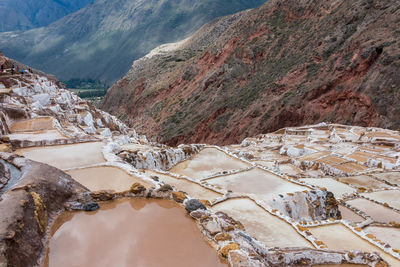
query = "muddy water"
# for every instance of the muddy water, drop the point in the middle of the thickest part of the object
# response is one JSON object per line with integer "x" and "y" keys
{"x": 66, "y": 156}
{"x": 106, "y": 178}
{"x": 135, "y": 232}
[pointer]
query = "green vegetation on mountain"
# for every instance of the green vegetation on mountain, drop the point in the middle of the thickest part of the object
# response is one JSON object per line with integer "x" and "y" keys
{"x": 27, "y": 14}
{"x": 101, "y": 40}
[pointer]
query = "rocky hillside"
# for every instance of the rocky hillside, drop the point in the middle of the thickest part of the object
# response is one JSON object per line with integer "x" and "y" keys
{"x": 101, "y": 40}
{"x": 27, "y": 14}
{"x": 285, "y": 63}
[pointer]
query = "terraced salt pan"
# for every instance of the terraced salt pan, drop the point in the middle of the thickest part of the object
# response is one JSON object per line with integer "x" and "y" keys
{"x": 207, "y": 162}
{"x": 339, "y": 237}
{"x": 267, "y": 164}
{"x": 106, "y": 178}
{"x": 351, "y": 167}
{"x": 136, "y": 232}
{"x": 361, "y": 156}
{"x": 194, "y": 190}
{"x": 378, "y": 212}
{"x": 314, "y": 156}
{"x": 289, "y": 169}
{"x": 337, "y": 188}
{"x": 348, "y": 214}
{"x": 267, "y": 228}
{"x": 391, "y": 197}
{"x": 391, "y": 177}
{"x": 332, "y": 160}
{"x": 256, "y": 181}
{"x": 37, "y": 136}
{"x": 363, "y": 181}
{"x": 66, "y": 156}
{"x": 36, "y": 124}
{"x": 389, "y": 235}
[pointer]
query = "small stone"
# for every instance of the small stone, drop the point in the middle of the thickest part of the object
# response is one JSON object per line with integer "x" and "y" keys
{"x": 5, "y": 147}
{"x": 212, "y": 227}
{"x": 91, "y": 206}
{"x": 178, "y": 196}
{"x": 104, "y": 195}
{"x": 10, "y": 235}
{"x": 223, "y": 237}
{"x": 225, "y": 250}
{"x": 155, "y": 178}
{"x": 194, "y": 204}
{"x": 197, "y": 214}
{"x": 165, "y": 188}
{"x": 137, "y": 188}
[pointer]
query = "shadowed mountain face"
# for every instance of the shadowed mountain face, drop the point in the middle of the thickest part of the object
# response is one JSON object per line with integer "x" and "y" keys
{"x": 101, "y": 40}
{"x": 286, "y": 63}
{"x": 27, "y": 14}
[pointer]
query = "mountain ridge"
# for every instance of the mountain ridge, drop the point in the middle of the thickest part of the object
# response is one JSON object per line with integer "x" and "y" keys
{"x": 101, "y": 40}
{"x": 28, "y": 14}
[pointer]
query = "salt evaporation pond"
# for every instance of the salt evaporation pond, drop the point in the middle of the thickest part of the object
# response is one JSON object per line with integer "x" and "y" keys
{"x": 339, "y": 237}
{"x": 36, "y": 124}
{"x": 106, "y": 178}
{"x": 66, "y": 156}
{"x": 207, "y": 162}
{"x": 266, "y": 227}
{"x": 193, "y": 189}
{"x": 378, "y": 212}
{"x": 135, "y": 232}
{"x": 348, "y": 214}
{"x": 257, "y": 181}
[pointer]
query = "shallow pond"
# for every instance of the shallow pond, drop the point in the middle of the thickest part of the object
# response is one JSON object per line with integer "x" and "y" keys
{"x": 136, "y": 232}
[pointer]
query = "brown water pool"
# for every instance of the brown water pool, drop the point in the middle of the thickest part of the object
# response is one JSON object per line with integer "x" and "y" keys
{"x": 136, "y": 232}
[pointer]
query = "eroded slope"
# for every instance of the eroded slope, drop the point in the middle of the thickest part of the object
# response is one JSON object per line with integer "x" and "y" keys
{"x": 286, "y": 63}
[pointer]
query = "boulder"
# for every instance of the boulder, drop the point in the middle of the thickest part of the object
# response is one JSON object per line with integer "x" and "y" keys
{"x": 194, "y": 204}
{"x": 178, "y": 196}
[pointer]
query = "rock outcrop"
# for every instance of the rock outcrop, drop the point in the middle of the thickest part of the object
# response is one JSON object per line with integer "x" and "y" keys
{"x": 287, "y": 63}
{"x": 308, "y": 206}
{"x": 28, "y": 203}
